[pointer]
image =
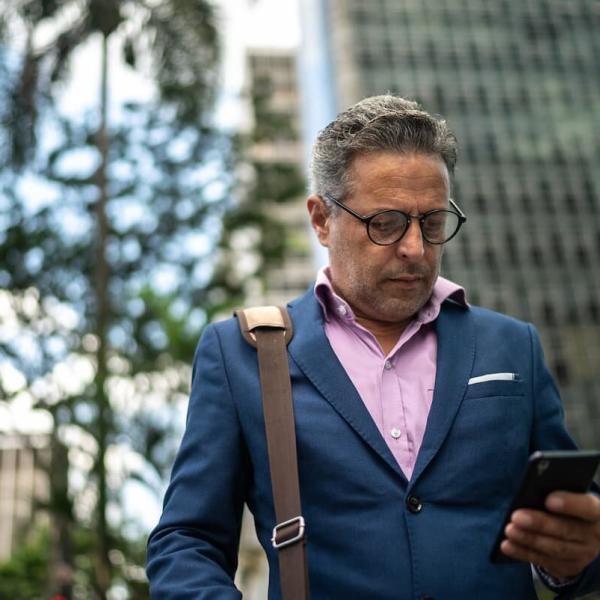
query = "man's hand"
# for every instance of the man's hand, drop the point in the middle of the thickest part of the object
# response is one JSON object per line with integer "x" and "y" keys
{"x": 562, "y": 543}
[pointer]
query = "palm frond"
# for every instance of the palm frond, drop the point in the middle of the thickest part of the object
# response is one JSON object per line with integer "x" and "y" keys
{"x": 185, "y": 50}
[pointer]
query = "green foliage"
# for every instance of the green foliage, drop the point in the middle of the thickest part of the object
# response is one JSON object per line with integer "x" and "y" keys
{"x": 277, "y": 182}
{"x": 175, "y": 40}
{"x": 25, "y": 575}
{"x": 107, "y": 231}
{"x": 270, "y": 125}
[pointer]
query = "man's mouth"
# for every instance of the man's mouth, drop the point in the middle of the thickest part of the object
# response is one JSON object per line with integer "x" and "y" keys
{"x": 407, "y": 278}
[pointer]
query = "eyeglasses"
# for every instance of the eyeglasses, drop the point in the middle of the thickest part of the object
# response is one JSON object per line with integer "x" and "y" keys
{"x": 387, "y": 227}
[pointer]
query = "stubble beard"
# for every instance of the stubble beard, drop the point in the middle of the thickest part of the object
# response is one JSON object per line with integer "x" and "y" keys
{"x": 377, "y": 303}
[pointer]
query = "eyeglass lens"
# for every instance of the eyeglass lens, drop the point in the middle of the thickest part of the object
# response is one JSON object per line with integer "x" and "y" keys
{"x": 437, "y": 227}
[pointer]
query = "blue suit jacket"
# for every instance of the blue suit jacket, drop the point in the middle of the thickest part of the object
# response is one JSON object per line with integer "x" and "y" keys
{"x": 363, "y": 542}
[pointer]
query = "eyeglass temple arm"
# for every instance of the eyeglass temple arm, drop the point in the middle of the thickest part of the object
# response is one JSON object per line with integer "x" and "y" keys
{"x": 457, "y": 208}
{"x": 346, "y": 208}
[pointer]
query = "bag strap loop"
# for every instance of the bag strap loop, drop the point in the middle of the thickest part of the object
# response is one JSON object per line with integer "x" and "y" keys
{"x": 264, "y": 316}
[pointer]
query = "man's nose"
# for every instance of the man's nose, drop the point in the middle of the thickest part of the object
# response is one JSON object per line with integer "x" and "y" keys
{"x": 412, "y": 246}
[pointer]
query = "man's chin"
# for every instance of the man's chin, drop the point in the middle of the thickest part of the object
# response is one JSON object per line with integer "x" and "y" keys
{"x": 395, "y": 312}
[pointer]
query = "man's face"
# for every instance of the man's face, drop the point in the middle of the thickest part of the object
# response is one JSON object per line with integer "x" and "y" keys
{"x": 385, "y": 283}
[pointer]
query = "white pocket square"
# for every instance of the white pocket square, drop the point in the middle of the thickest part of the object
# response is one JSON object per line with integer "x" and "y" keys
{"x": 494, "y": 377}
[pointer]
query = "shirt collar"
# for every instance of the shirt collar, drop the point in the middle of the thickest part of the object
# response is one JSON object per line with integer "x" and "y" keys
{"x": 334, "y": 306}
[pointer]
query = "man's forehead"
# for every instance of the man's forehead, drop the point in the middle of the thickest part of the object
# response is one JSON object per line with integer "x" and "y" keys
{"x": 406, "y": 169}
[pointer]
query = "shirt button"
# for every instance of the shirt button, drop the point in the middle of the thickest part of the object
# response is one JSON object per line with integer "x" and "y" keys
{"x": 413, "y": 504}
{"x": 395, "y": 433}
{"x": 342, "y": 310}
{"x": 388, "y": 365}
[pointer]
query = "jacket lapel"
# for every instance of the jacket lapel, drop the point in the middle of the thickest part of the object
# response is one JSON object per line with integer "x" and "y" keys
{"x": 312, "y": 353}
{"x": 455, "y": 359}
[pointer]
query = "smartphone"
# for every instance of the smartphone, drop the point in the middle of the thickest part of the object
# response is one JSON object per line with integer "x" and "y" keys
{"x": 546, "y": 472}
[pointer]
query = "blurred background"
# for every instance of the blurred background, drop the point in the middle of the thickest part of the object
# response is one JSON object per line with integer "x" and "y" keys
{"x": 152, "y": 177}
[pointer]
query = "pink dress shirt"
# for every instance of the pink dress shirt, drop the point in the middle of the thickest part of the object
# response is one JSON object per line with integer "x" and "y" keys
{"x": 397, "y": 389}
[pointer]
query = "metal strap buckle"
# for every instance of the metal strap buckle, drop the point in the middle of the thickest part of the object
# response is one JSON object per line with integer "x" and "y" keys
{"x": 296, "y": 538}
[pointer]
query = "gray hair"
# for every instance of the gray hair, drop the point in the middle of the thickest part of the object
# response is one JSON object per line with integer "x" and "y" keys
{"x": 377, "y": 124}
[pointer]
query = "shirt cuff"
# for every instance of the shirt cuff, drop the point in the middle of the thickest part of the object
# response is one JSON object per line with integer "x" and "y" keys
{"x": 556, "y": 584}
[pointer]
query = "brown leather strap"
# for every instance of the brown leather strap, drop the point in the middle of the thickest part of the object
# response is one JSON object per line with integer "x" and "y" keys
{"x": 270, "y": 333}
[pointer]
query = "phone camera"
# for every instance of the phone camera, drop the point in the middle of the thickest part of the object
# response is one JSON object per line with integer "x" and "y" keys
{"x": 542, "y": 466}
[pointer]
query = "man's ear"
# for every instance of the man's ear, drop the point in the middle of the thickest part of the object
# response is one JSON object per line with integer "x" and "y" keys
{"x": 319, "y": 218}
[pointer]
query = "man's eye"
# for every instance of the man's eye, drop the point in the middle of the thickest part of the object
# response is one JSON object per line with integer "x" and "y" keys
{"x": 435, "y": 222}
{"x": 388, "y": 223}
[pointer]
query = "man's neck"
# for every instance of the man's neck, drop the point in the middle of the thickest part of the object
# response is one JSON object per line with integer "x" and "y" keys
{"x": 387, "y": 334}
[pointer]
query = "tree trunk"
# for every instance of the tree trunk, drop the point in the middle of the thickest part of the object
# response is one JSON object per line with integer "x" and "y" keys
{"x": 61, "y": 562}
{"x": 102, "y": 316}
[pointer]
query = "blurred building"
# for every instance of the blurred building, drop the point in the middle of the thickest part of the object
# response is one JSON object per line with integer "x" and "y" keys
{"x": 277, "y": 157}
{"x": 24, "y": 461}
{"x": 519, "y": 83}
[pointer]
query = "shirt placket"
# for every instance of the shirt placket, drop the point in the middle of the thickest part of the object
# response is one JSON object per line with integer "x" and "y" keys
{"x": 394, "y": 426}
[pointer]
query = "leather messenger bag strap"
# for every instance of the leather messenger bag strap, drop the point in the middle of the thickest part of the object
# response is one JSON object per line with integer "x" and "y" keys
{"x": 269, "y": 330}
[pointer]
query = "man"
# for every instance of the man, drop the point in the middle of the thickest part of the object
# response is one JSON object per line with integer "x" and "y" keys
{"x": 411, "y": 437}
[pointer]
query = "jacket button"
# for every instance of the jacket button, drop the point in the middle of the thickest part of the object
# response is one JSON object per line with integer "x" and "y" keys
{"x": 414, "y": 504}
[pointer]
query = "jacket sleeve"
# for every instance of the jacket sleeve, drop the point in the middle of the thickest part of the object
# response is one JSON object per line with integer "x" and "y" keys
{"x": 549, "y": 433}
{"x": 192, "y": 553}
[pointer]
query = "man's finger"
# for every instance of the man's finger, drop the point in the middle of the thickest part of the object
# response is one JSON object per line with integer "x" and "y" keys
{"x": 558, "y": 548}
{"x": 580, "y": 506}
{"x": 557, "y": 568}
{"x": 565, "y": 528}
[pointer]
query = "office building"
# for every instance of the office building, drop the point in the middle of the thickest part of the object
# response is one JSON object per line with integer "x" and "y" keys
{"x": 277, "y": 188}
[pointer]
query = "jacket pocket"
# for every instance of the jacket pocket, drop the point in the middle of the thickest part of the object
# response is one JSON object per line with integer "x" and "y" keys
{"x": 487, "y": 389}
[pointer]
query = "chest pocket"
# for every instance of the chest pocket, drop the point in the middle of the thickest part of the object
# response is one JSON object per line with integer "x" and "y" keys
{"x": 488, "y": 443}
{"x": 493, "y": 388}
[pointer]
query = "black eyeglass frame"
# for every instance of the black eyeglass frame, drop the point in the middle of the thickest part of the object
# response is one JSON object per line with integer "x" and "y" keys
{"x": 368, "y": 218}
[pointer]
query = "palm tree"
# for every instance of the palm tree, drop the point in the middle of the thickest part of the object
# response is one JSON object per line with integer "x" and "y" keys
{"x": 175, "y": 43}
